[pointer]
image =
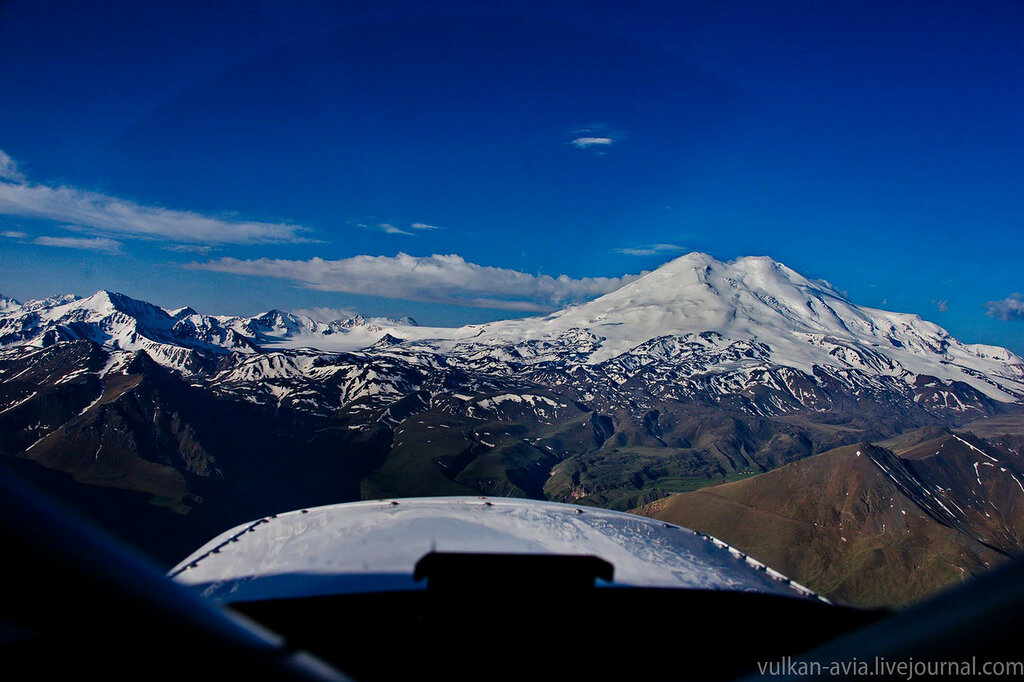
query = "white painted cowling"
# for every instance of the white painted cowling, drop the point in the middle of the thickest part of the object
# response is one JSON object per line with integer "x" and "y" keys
{"x": 374, "y": 546}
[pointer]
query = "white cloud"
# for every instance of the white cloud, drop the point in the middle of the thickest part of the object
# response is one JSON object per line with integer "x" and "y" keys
{"x": 438, "y": 278}
{"x": 201, "y": 249}
{"x": 9, "y": 169}
{"x": 388, "y": 228}
{"x": 651, "y": 250}
{"x": 109, "y": 214}
{"x": 585, "y": 142}
{"x": 89, "y": 244}
{"x": 942, "y": 306}
{"x": 13, "y": 234}
{"x": 1009, "y": 309}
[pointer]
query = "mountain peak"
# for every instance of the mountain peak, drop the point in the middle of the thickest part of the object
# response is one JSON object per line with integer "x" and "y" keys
{"x": 105, "y": 302}
{"x": 184, "y": 311}
{"x": 697, "y": 292}
{"x": 800, "y": 323}
{"x": 52, "y": 301}
{"x": 701, "y": 259}
{"x": 275, "y": 315}
{"x": 702, "y": 265}
{"x": 101, "y": 298}
{"x": 690, "y": 258}
{"x": 9, "y": 304}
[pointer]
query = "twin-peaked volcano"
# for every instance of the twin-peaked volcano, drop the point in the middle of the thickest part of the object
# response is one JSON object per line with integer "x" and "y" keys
{"x": 801, "y": 322}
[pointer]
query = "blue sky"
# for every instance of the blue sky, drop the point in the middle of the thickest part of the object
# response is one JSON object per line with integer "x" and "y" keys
{"x": 208, "y": 155}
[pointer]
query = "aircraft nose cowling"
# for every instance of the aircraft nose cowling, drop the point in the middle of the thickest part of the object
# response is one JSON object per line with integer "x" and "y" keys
{"x": 375, "y": 546}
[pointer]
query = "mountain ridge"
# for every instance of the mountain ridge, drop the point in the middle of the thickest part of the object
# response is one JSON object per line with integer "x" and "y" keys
{"x": 616, "y": 402}
{"x": 868, "y": 524}
{"x": 803, "y": 324}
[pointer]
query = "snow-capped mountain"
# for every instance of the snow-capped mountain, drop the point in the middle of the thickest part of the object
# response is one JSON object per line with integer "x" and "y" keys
{"x": 695, "y": 328}
{"x": 697, "y": 306}
{"x": 172, "y": 337}
{"x": 697, "y": 372}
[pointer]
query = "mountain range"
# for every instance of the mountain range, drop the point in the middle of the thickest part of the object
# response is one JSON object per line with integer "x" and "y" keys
{"x": 698, "y": 373}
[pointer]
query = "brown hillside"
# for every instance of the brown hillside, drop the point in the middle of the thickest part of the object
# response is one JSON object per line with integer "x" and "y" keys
{"x": 841, "y": 523}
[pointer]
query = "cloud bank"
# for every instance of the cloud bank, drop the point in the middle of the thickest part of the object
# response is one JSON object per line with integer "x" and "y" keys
{"x": 1010, "y": 308}
{"x": 108, "y": 214}
{"x": 439, "y": 278}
